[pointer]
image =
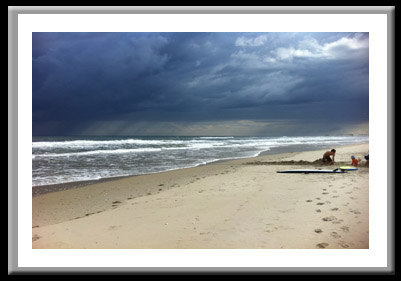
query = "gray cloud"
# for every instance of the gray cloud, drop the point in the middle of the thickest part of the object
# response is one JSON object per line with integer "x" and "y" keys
{"x": 114, "y": 83}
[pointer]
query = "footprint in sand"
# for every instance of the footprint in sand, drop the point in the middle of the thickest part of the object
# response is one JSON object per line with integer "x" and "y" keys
{"x": 271, "y": 229}
{"x": 114, "y": 227}
{"x": 335, "y": 234}
{"x": 345, "y": 228}
{"x": 337, "y": 221}
{"x": 35, "y": 237}
{"x": 356, "y": 212}
{"x": 320, "y": 203}
{"x": 322, "y": 245}
{"x": 318, "y": 230}
{"x": 343, "y": 244}
{"x": 331, "y": 218}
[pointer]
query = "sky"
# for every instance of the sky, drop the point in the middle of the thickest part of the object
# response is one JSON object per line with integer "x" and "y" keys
{"x": 198, "y": 84}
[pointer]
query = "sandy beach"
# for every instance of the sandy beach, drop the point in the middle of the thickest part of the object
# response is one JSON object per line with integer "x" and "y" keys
{"x": 237, "y": 204}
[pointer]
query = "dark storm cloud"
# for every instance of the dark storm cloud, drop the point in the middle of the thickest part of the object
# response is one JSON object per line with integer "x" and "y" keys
{"x": 87, "y": 80}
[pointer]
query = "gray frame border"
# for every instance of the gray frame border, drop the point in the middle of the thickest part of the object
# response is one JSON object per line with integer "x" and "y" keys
{"x": 14, "y": 11}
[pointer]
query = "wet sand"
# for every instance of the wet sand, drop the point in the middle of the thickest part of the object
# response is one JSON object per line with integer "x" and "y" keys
{"x": 238, "y": 204}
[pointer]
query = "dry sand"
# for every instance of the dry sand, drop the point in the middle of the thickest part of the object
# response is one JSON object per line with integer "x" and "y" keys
{"x": 239, "y": 204}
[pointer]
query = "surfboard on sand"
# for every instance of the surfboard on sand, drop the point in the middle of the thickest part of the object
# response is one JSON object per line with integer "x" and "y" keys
{"x": 348, "y": 168}
{"x": 313, "y": 171}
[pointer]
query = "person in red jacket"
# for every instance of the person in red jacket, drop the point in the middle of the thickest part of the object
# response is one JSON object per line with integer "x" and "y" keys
{"x": 354, "y": 161}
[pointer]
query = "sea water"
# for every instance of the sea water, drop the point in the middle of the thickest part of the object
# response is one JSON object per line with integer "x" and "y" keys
{"x": 58, "y": 160}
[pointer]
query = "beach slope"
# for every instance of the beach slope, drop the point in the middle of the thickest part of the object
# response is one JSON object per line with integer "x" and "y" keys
{"x": 238, "y": 204}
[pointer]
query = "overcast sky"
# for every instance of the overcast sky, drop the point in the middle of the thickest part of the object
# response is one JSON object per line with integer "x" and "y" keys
{"x": 258, "y": 84}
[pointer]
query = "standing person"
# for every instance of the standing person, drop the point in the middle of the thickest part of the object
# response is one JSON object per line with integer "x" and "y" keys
{"x": 354, "y": 161}
{"x": 326, "y": 157}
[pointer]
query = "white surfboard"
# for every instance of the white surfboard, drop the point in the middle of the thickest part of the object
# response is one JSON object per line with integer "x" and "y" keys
{"x": 348, "y": 168}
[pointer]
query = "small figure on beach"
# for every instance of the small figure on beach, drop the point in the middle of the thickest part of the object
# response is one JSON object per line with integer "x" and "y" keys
{"x": 367, "y": 160}
{"x": 354, "y": 161}
{"x": 326, "y": 157}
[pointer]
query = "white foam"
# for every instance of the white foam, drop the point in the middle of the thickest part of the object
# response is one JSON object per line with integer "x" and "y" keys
{"x": 216, "y": 138}
{"x": 94, "y": 143}
{"x": 96, "y": 152}
{"x": 85, "y": 159}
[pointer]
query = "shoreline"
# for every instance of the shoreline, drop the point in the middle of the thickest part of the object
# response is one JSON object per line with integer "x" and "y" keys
{"x": 241, "y": 203}
{"x": 43, "y": 189}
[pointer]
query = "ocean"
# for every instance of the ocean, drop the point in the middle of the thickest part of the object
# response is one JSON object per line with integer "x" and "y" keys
{"x": 57, "y": 160}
